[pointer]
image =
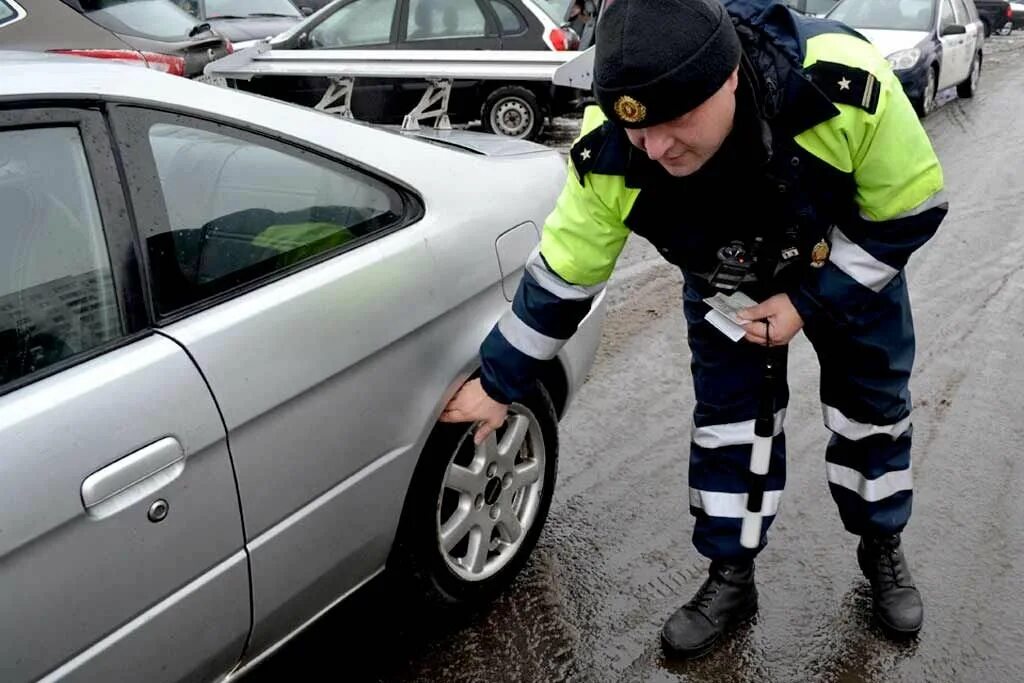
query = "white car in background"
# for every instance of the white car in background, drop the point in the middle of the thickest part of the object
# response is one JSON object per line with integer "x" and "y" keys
{"x": 931, "y": 44}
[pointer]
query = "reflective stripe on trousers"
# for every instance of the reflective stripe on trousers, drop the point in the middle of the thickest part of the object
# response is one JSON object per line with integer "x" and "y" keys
{"x": 865, "y": 369}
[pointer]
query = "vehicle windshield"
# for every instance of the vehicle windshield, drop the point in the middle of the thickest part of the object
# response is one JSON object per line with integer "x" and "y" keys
{"x": 156, "y": 19}
{"x": 248, "y": 8}
{"x": 901, "y": 15}
{"x": 555, "y": 9}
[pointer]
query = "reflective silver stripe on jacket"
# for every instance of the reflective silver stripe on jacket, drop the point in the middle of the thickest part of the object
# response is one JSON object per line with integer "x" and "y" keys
{"x": 855, "y": 431}
{"x": 553, "y": 283}
{"x": 526, "y": 339}
{"x": 718, "y": 504}
{"x": 732, "y": 433}
{"x": 936, "y": 200}
{"x": 852, "y": 259}
{"x": 871, "y": 490}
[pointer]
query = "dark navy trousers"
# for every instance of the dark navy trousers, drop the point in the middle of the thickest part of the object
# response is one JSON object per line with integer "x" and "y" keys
{"x": 865, "y": 363}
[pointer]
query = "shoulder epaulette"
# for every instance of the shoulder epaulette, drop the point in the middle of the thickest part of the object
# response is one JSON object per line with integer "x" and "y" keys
{"x": 846, "y": 84}
{"x": 599, "y": 151}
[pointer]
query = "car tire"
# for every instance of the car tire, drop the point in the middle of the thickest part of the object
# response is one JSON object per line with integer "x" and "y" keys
{"x": 512, "y": 111}
{"x": 925, "y": 104}
{"x": 435, "y": 575}
{"x": 969, "y": 87}
{"x": 986, "y": 27}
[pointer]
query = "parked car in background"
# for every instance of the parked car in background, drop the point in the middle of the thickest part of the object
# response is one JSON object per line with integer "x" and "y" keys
{"x": 244, "y": 22}
{"x": 153, "y": 27}
{"x": 52, "y": 26}
{"x": 228, "y": 326}
{"x": 931, "y": 44}
{"x": 513, "y": 109}
{"x": 1017, "y": 9}
{"x": 996, "y": 15}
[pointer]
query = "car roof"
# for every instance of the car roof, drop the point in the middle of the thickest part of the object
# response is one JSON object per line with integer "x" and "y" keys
{"x": 36, "y": 76}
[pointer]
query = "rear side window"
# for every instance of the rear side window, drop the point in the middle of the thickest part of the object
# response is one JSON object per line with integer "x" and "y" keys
{"x": 434, "y": 19}
{"x": 57, "y": 295}
{"x": 363, "y": 22}
{"x": 10, "y": 12}
{"x": 509, "y": 20}
{"x": 239, "y": 211}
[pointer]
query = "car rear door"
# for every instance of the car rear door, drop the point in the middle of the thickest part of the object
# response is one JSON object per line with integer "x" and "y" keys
{"x": 304, "y": 290}
{"x": 446, "y": 25}
{"x": 121, "y": 542}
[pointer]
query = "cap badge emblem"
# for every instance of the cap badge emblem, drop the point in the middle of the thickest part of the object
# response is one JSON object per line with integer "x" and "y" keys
{"x": 629, "y": 110}
{"x": 819, "y": 254}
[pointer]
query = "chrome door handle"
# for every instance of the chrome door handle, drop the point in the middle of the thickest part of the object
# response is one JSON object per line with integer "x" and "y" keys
{"x": 133, "y": 478}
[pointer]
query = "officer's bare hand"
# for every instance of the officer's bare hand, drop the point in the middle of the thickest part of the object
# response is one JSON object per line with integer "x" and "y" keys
{"x": 472, "y": 404}
{"x": 783, "y": 321}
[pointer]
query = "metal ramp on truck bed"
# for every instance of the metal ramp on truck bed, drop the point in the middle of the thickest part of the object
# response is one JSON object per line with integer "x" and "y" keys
{"x": 439, "y": 68}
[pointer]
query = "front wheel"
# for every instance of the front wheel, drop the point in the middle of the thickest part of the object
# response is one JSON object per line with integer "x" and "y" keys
{"x": 513, "y": 111}
{"x": 474, "y": 513}
{"x": 926, "y": 103}
{"x": 969, "y": 87}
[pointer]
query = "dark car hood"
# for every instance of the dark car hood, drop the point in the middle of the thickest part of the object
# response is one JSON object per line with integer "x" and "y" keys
{"x": 252, "y": 28}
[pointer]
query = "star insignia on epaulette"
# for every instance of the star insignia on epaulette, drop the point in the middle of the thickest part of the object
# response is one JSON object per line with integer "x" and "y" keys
{"x": 844, "y": 84}
{"x": 585, "y": 154}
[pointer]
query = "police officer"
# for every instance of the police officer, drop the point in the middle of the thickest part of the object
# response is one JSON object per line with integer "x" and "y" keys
{"x": 775, "y": 154}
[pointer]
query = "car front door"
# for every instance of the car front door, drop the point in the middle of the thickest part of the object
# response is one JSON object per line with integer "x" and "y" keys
{"x": 121, "y": 543}
{"x": 954, "y": 48}
{"x": 967, "y": 16}
{"x": 303, "y": 288}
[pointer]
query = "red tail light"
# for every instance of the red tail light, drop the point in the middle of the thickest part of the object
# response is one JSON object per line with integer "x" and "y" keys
{"x": 166, "y": 63}
{"x": 563, "y": 39}
{"x": 1009, "y": 12}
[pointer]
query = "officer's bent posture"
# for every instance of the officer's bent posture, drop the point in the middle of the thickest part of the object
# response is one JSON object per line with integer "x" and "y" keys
{"x": 748, "y": 129}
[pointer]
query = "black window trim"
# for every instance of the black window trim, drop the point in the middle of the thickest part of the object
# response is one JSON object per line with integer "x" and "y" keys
{"x": 124, "y": 118}
{"x": 116, "y": 224}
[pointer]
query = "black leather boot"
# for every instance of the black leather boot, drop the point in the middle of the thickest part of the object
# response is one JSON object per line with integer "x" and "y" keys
{"x": 897, "y": 602}
{"x": 727, "y": 598}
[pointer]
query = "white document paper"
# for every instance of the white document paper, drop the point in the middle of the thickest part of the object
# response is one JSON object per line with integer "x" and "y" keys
{"x": 723, "y": 313}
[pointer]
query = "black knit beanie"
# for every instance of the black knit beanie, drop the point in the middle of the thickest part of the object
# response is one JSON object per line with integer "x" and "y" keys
{"x": 658, "y": 59}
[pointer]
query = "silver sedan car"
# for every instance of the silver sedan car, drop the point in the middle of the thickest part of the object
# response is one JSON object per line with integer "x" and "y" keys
{"x": 227, "y": 328}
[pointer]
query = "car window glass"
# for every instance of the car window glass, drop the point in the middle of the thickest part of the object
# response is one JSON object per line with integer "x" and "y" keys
{"x": 364, "y": 22}
{"x": 963, "y": 14}
{"x": 158, "y": 19}
{"x": 902, "y": 15}
{"x": 432, "y": 19}
{"x": 239, "y": 211}
{"x": 9, "y": 13}
{"x": 510, "y": 21}
{"x": 947, "y": 17}
{"x": 57, "y": 296}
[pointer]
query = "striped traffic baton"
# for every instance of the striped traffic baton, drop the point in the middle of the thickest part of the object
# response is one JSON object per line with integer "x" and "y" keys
{"x": 760, "y": 454}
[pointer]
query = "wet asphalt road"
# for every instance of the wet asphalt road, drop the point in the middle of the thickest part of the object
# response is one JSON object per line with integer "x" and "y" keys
{"x": 615, "y": 558}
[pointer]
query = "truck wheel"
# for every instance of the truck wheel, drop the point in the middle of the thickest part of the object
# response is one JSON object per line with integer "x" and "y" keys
{"x": 512, "y": 111}
{"x": 987, "y": 27}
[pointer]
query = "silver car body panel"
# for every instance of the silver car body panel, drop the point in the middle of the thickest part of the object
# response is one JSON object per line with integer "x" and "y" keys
{"x": 69, "y": 579}
{"x": 330, "y": 380}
